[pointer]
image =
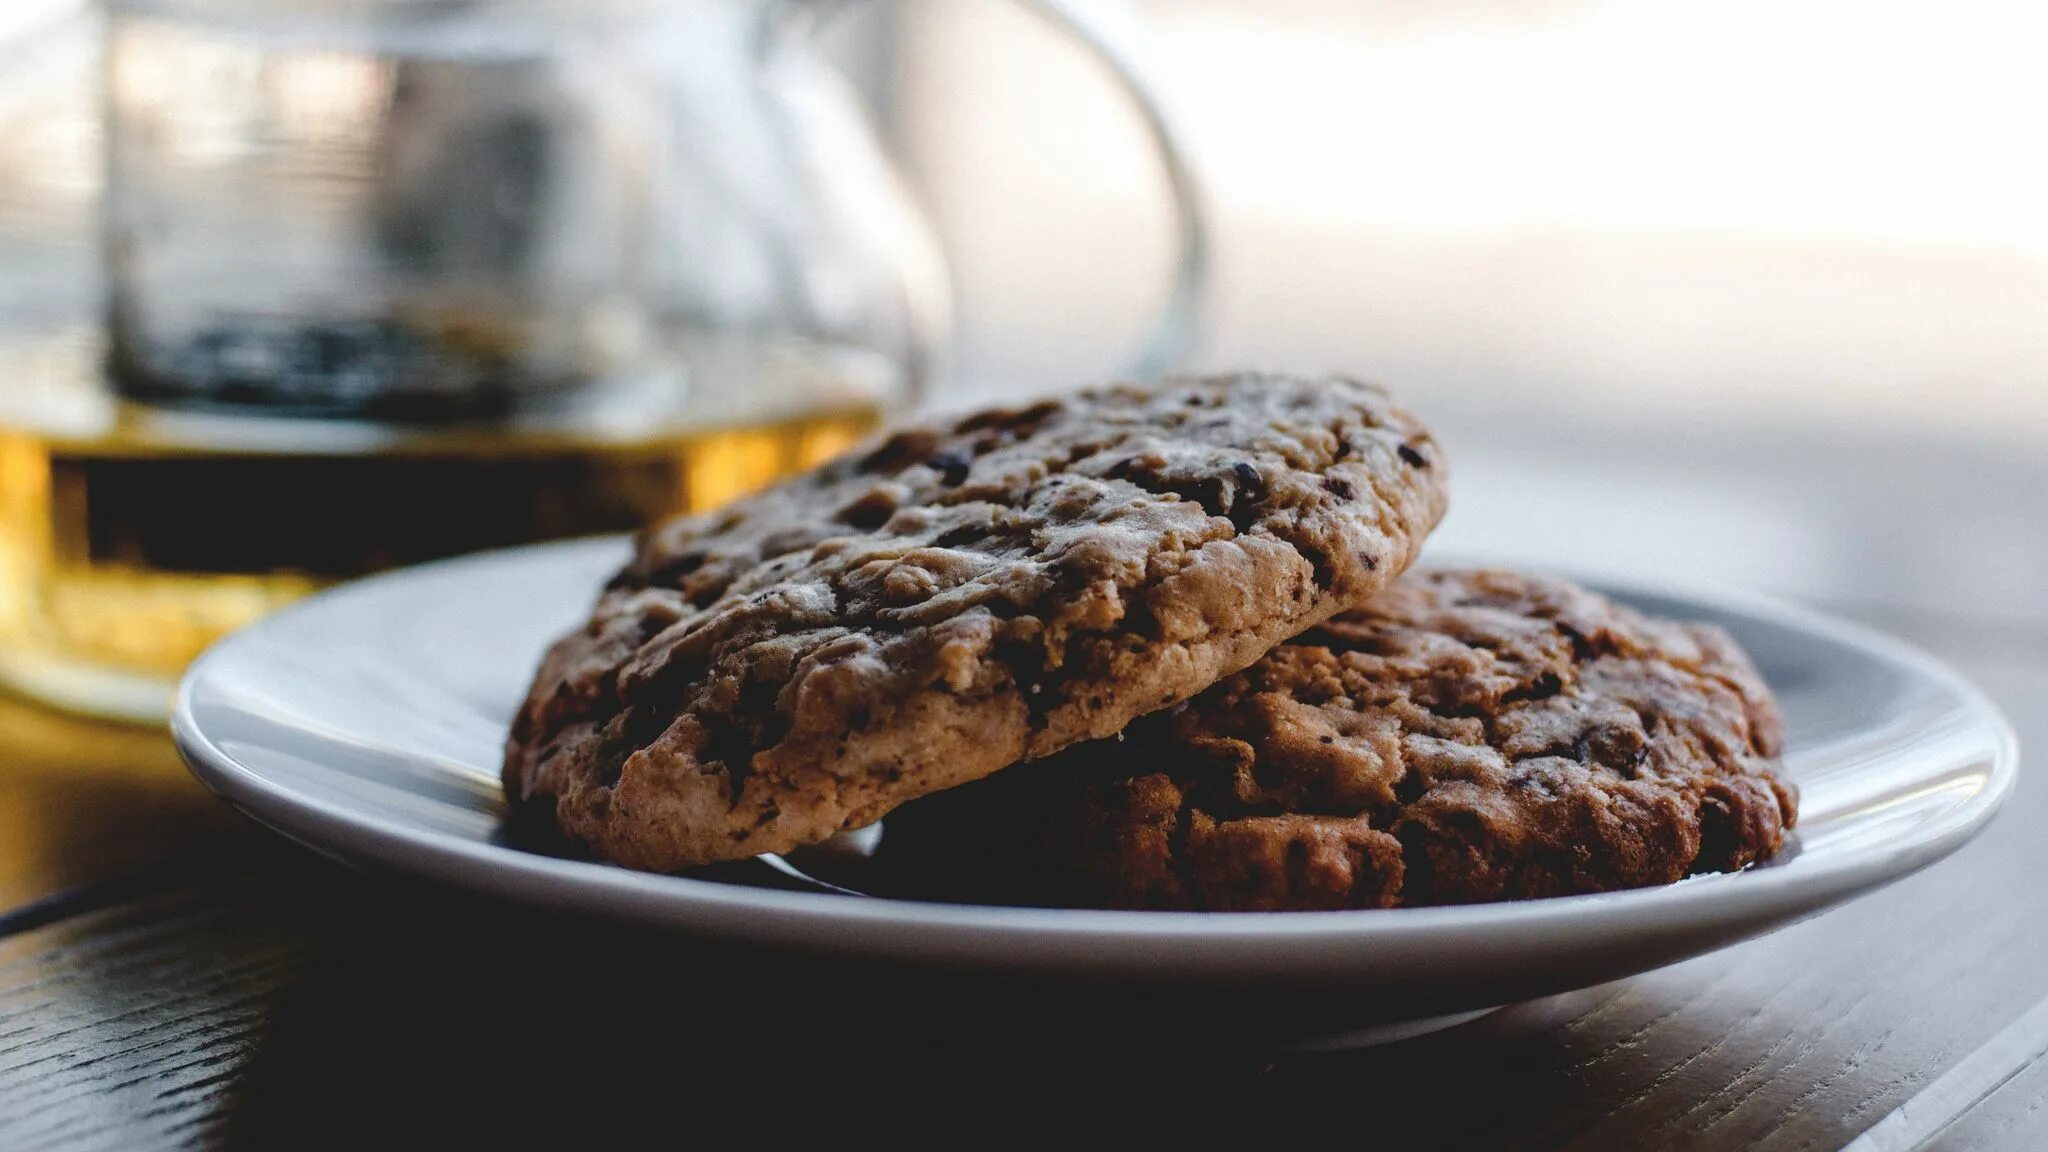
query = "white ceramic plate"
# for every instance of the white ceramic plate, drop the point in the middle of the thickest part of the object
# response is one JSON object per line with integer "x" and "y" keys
{"x": 366, "y": 723}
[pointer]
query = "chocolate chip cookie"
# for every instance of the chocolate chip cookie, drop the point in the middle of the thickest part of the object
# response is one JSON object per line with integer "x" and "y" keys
{"x": 1465, "y": 736}
{"x": 958, "y": 597}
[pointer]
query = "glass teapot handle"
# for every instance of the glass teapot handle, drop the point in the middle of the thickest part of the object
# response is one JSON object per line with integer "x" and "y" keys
{"x": 1095, "y": 26}
{"x": 1088, "y": 23}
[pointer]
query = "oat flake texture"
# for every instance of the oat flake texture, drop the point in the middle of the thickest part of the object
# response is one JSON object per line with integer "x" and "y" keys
{"x": 1466, "y": 736}
{"x": 957, "y": 597}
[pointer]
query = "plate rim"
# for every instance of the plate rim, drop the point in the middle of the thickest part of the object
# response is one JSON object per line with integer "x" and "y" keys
{"x": 1115, "y": 939}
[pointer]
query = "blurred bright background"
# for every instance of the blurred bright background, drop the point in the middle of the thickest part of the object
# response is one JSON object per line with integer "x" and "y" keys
{"x": 1684, "y": 285}
{"x": 1808, "y": 209}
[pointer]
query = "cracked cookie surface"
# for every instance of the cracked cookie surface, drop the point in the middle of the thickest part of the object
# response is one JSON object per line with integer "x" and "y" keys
{"x": 1466, "y": 736}
{"x": 956, "y": 597}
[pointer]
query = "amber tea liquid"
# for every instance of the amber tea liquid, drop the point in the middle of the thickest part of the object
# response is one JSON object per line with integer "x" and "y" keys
{"x": 125, "y": 552}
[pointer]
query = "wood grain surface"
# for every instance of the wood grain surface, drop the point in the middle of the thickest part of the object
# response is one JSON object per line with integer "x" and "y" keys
{"x": 133, "y": 1025}
{"x": 83, "y": 802}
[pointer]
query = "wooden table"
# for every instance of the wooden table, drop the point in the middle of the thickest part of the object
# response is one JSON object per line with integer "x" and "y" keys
{"x": 172, "y": 977}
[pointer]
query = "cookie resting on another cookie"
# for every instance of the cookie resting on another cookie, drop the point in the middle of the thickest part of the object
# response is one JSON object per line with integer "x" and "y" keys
{"x": 1465, "y": 736}
{"x": 955, "y": 598}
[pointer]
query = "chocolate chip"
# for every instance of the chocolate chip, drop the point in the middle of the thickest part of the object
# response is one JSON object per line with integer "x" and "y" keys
{"x": 1248, "y": 479}
{"x": 951, "y": 466}
{"x": 1339, "y": 487}
{"x": 1371, "y": 562}
{"x": 1413, "y": 456}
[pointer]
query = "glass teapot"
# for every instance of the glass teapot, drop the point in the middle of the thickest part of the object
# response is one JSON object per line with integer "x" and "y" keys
{"x": 421, "y": 210}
